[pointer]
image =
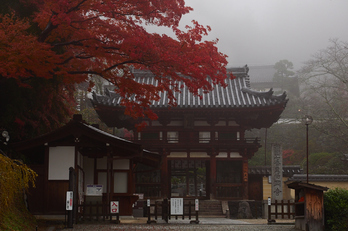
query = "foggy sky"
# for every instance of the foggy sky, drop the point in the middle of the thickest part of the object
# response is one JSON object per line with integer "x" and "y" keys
{"x": 262, "y": 32}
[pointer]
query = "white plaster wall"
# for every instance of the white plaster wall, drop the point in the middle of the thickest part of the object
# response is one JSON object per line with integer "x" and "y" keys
{"x": 176, "y": 123}
{"x": 201, "y": 123}
{"x": 60, "y": 159}
{"x": 121, "y": 164}
{"x": 222, "y": 155}
{"x": 221, "y": 123}
{"x": 101, "y": 163}
{"x": 199, "y": 154}
{"x": 235, "y": 155}
{"x": 102, "y": 179}
{"x": 120, "y": 182}
{"x": 178, "y": 154}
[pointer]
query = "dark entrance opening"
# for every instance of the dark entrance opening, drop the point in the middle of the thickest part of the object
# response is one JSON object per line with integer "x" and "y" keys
{"x": 188, "y": 178}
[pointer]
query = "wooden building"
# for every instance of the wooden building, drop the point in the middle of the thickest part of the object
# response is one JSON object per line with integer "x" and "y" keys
{"x": 309, "y": 206}
{"x": 99, "y": 159}
{"x": 202, "y": 140}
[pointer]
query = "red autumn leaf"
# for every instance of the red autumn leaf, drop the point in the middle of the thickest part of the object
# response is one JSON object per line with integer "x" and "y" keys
{"x": 66, "y": 41}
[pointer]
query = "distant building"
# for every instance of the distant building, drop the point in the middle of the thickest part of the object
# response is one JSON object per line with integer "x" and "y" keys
{"x": 263, "y": 80}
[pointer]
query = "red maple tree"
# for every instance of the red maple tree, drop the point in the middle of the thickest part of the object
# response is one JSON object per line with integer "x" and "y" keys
{"x": 68, "y": 40}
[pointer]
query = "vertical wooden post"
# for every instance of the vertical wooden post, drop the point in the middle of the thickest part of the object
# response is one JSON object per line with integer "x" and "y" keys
{"x": 189, "y": 210}
{"x": 212, "y": 175}
{"x": 71, "y": 188}
{"x": 84, "y": 210}
{"x": 97, "y": 211}
{"x": 156, "y": 210}
{"x": 108, "y": 177}
{"x": 165, "y": 210}
{"x": 148, "y": 215}
{"x": 90, "y": 210}
{"x": 164, "y": 175}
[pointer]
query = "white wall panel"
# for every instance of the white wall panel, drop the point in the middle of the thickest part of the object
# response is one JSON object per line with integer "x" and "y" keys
{"x": 60, "y": 159}
{"x": 121, "y": 164}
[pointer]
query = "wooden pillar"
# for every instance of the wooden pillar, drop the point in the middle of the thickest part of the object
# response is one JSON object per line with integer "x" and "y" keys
{"x": 164, "y": 175}
{"x": 212, "y": 175}
{"x": 108, "y": 175}
{"x": 46, "y": 184}
{"x": 245, "y": 178}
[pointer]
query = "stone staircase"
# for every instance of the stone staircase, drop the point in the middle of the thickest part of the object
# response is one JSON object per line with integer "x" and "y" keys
{"x": 210, "y": 208}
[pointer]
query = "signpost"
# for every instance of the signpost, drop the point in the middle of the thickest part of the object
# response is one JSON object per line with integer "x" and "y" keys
{"x": 114, "y": 208}
{"x": 196, "y": 205}
{"x": 69, "y": 200}
{"x": 176, "y": 206}
{"x": 94, "y": 190}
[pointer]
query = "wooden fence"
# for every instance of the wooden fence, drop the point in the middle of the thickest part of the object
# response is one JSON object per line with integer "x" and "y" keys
{"x": 95, "y": 211}
{"x": 287, "y": 210}
{"x": 162, "y": 208}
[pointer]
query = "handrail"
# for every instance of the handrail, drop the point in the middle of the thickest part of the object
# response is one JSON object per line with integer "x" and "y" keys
{"x": 204, "y": 140}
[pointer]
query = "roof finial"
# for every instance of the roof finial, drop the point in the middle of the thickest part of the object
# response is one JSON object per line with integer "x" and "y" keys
{"x": 246, "y": 68}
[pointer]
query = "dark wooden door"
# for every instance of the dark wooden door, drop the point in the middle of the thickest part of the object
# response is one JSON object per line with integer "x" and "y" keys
{"x": 255, "y": 188}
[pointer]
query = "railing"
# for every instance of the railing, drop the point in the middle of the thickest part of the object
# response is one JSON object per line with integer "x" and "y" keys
{"x": 95, "y": 211}
{"x": 162, "y": 208}
{"x": 281, "y": 209}
{"x": 202, "y": 141}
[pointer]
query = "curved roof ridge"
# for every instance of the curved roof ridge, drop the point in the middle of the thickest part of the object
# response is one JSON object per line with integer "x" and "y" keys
{"x": 265, "y": 94}
{"x": 237, "y": 94}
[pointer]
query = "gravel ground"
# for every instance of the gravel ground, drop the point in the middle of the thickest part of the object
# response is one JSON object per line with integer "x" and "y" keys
{"x": 205, "y": 224}
{"x": 186, "y": 227}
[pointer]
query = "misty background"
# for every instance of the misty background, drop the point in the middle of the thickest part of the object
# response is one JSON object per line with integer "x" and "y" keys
{"x": 262, "y": 32}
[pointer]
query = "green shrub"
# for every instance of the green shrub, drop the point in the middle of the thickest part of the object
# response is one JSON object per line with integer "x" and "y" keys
{"x": 336, "y": 209}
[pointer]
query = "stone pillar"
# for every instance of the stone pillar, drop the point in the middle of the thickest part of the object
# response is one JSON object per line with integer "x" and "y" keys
{"x": 277, "y": 172}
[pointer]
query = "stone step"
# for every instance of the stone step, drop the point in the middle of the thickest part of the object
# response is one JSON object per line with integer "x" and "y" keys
{"x": 210, "y": 208}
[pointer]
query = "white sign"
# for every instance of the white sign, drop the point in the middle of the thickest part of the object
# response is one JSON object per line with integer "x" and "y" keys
{"x": 69, "y": 200}
{"x": 196, "y": 205}
{"x": 114, "y": 208}
{"x": 269, "y": 201}
{"x": 94, "y": 190}
{"x": 176, "y": 206}
{"x": 148, "y": 202}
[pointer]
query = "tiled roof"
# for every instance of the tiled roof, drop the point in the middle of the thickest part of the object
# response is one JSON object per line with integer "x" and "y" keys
{"x": 237, "y": 94}
{"x": 288, "y": 170}
{"x": 319, "y": 178}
